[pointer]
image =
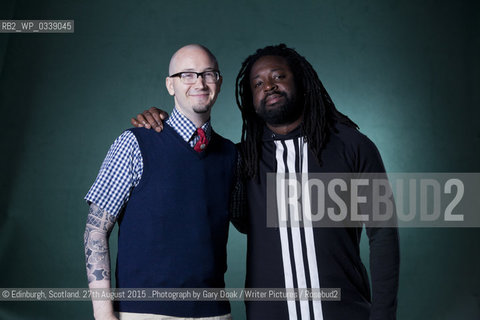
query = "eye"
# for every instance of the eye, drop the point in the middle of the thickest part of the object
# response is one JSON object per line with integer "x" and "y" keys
{"x": 188, "y": 75}
{"x": 258, "y": 84}
{"x": 209, "y": 74}
{"x": 279, "y": 76}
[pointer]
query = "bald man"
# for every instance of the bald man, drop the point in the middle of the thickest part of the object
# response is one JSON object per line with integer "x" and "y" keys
{"x": 170, "y": 193}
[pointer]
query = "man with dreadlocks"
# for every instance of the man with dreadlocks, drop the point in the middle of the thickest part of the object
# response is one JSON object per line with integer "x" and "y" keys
{"x": 290, "y": 124}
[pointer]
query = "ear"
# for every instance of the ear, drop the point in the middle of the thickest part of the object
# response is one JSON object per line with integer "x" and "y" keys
{"x": 219, "y": 83}
{"x": 169, "y": 85}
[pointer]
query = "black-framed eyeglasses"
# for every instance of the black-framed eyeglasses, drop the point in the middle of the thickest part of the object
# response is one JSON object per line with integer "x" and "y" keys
{"x": 190, "y": 77}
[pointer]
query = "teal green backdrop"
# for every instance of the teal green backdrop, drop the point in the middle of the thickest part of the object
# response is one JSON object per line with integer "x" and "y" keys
{"x": 408, "y": 72}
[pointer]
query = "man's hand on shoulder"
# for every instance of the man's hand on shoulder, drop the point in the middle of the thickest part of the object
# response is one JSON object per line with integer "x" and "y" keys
{"x": 151, "y": 118}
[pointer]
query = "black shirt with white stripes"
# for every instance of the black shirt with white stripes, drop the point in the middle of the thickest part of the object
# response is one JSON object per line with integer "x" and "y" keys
{"x": 288, "y": 257}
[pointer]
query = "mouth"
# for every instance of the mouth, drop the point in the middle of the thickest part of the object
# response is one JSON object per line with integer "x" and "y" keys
{"x": 273, "y": 98}
{"x": 199, "y": 95}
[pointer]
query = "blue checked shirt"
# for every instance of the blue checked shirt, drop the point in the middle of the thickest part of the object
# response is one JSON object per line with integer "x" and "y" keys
{"x": 122, "y": 168}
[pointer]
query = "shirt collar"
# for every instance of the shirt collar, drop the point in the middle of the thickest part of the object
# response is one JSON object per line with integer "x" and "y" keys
{"x": 269, "y": 135}
{"x": 185, "y": 127}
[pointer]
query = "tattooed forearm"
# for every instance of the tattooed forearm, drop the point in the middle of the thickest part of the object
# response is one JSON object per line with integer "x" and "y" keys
{"x": 97, "y": 231}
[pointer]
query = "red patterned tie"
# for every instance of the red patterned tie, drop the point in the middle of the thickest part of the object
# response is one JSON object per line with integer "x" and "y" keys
{"x": 202, "y": 143}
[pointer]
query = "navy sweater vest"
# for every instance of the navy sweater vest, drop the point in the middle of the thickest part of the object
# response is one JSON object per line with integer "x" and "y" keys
{"x": 174, "y": 229}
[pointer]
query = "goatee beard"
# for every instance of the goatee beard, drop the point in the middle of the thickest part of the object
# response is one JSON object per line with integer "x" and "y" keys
{"x": 285, "y": 113}
{"x": 201, "y": 109}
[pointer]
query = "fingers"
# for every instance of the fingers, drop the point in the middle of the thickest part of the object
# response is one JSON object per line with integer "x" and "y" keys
{"x": 141, "y": 118}
{"x": 135, "y": 123}
{"x": 152, "y": 120}
{"x": 163, "y": 115}
{"x": 157, "y": 117}
{"x": 155, "y": 111}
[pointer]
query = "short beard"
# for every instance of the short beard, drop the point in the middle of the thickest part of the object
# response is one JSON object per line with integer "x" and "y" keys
{"x": 202, "y": 109}
{"x": 283, "y": 114}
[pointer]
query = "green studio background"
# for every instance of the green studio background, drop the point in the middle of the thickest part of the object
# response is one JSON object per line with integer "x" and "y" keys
{"x": 406, "y": 71}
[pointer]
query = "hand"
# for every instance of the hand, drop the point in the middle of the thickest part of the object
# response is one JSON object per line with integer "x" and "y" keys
{"x": 151, "y": 118}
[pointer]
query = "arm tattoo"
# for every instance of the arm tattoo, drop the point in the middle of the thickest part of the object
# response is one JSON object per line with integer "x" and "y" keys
{"x": 97, "y": 231}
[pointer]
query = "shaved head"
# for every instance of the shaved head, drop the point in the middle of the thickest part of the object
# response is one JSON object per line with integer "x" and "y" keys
{"x": 194, "y": 100}
{"x": 187, "y": 52}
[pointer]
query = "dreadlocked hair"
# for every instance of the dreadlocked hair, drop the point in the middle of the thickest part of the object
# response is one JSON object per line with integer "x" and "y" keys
{"x": 320, "y": 114}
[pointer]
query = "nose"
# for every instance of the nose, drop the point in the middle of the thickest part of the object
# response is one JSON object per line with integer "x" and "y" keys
{"x": 270, "y": 85}
{"x": 200, "y": 81}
